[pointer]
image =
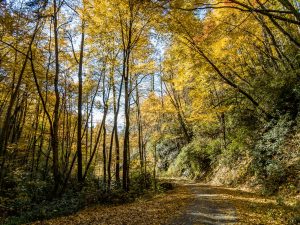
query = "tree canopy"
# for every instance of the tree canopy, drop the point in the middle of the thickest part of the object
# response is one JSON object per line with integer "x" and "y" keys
{"x": 118, "y": 91}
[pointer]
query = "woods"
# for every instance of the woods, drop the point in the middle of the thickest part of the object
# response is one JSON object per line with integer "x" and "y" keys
{"x": 101, "y": 98}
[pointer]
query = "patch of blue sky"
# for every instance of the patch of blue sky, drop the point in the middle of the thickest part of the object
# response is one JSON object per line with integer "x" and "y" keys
{"x": 201, "y": 13}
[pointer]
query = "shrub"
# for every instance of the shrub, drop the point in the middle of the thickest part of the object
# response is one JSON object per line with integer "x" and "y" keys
{"x": 166, "y": 186}
{"x": 268, "y": 154}
{"x": 141, "y": 182}
{"x": 168, "y": 150}
{"x": 196, "y": 158}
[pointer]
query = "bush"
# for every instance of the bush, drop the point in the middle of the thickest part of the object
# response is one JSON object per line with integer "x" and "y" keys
{"x": 141, "y": 181}
{"x": 196, "y": 158}
{"x": 268, "y": 155}
{"x": 67, "y": 204}
{"x": 168, "y": 150}
{"x": 166, "y": 186}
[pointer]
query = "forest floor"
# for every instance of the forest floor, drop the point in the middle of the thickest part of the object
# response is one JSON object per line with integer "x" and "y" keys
{"x": 188, "y": 203}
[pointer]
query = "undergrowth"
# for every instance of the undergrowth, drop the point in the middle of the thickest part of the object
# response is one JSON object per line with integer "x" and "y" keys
{"x": 30, "y": 201}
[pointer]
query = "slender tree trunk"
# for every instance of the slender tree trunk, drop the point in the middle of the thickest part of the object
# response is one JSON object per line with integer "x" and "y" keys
{"x": 139, "y": 124}
{"x": 154, "y": 169}
{"x": 97, "y": 140}
{"x": 112, "y": 84}
{"x": 127, "y": 122}
{"x": 117, "y": 143}
{"x": 110, "y": 160}
{"x": 116, "y": 103}
{"x": 54, "y": 140}
{"x": 91, "y": 133}
{"x": 40, "y": 149}
{"x": 104, "y": 148}
{"x": 35, "y": 139}
{"x": 47, "y": 160}
{"x": 87, "y": 129}
{"x": 79, "y": 118}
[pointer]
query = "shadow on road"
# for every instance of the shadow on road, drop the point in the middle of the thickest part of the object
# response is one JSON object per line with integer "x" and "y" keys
{"x": 207, "y": 207}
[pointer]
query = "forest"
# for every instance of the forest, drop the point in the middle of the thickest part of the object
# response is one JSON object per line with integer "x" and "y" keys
{"x": 112, "y": 103}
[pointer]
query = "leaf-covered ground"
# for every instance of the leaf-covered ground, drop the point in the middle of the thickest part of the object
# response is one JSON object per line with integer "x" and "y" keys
{"x": 159, "y": 209}
{"x": 173, "y": 206}
{"x": 221, "y": 205}
{"x": 255, "y": 209}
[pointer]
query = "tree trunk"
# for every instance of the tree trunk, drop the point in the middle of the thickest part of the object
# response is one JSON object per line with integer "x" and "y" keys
{"x": 79, "y": 118}
{"x": 54, "y": 140}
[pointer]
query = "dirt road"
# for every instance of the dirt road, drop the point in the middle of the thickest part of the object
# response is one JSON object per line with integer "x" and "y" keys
{"x": 207, "y": 207}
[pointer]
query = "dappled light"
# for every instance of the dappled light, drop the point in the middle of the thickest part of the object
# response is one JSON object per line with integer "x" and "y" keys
{"x": 149, "y": 112}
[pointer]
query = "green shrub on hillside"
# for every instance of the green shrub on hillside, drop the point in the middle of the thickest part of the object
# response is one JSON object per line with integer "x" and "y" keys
{"x": 268, "y": 155}
{"x": 195, "y": 159}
